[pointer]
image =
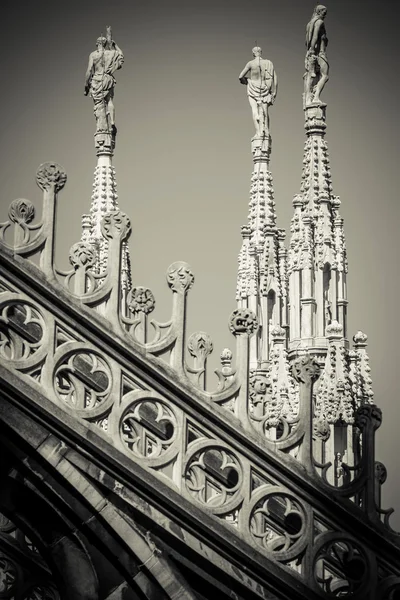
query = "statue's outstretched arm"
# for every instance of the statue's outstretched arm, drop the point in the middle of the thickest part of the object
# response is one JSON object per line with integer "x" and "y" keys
{"x": 242, "y": 76}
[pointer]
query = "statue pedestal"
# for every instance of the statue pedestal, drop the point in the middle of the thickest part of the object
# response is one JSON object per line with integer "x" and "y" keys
{"x": 261, "y": 148}
{"x": 315, "y": 115}
{"x": 104, "y": 142}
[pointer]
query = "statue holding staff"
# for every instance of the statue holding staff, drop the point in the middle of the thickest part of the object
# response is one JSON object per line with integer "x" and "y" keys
{"x": 100, "y": 82}
{"x": 260, "y": 77}
{"x": 316, "y": 63}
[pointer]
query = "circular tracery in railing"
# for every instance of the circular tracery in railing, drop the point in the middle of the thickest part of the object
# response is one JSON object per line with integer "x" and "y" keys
{"x": 214, "y": 477}
{"x": 341, "y": 568}
{"x": 8, "y": 577}
{"x": 148, "y": 428}
{"x": 22, "y": 331}
{"x": 83, "y": 381}
{"x": 277, "y": 523}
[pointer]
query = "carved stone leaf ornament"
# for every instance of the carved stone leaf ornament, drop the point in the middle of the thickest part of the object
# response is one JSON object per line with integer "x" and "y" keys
{"x": 368, "y": 413}
{"x": 51, "y": 174}
{"x": 116, "y": 224}
{"x": 200, "y": 345}
{"x": 180, "y": 277}
{"x": 141, "y": 299}
{"x": 306, "y": 369}
{"x": 82, "y": 255}
{"x": 21, "y": 211}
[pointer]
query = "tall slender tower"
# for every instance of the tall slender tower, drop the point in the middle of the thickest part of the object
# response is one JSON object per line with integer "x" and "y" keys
{"x": 261, "y": 283}
{"x": 99, "y": 84}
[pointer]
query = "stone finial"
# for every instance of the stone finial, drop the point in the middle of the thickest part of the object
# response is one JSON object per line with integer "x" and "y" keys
{"x": 368, "y": 414}
{"x": 141, "y": 299}
{"x": 305, "y": 369}
{"x": 82, "y": 254}
{"x": 21, "y": 211}
{"x": 51, "y": 175}
{"x": 260, "y": 77}
{"x": 316, "y": 63}
{"x": 180, "y": 277}
{"x": 334, "y": 330}
{"x": 360, "y": 338}
{"x": 115, "y": 224}
{"x": 278, "y": 333}
{"x": 243, "y": 321}
{"x": 200, "y": 345}
{"x": 100, "y": 84}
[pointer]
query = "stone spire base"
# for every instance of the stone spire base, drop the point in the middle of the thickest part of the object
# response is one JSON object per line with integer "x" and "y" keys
{"x": 261, "y": 148}
{"x": 104, "y": 142}
{"x": 315, "y": 116}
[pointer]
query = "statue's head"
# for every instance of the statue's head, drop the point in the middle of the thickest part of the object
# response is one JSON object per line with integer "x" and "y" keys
{"x": 101, "y": 41}
{"x": 257, "y": 51}
{"x": 320, "y": 11}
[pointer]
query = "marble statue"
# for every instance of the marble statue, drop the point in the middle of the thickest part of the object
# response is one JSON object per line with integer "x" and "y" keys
{"x": 100, "y": 82}
{"x": 260, "y": 77}
{"x": 316, "y": 63}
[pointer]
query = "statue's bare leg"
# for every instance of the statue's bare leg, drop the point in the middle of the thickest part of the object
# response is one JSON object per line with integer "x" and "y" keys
{"x": 111, "y": 112}
{"x": 255, "y": 109}
{"x": 265, "y": 120}
{"x": 308, "y": 85}
{"x": 324, "y": 76}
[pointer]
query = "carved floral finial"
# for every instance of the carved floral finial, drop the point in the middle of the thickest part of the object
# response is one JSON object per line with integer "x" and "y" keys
{"x": 380, "y": 472}
{"x": 141, "y": 299}
{"x": 115, "y": 224}
{"x": 243, "y": 321}
{"x": 334, "y": 329}
{"x": 200, "y": 345}
{"x": 277, "y": 332}
{"x": 51, "y": 174}
{"x": 82, "y": 255}
{"x": 21, "y": 211}
{"x": 305, "y": 369}
{"x": 360, "y": 338}
{"x": 180, "y": 277}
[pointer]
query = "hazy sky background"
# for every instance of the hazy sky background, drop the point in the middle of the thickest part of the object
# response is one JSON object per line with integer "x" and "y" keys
{"x": 183, "y": 156}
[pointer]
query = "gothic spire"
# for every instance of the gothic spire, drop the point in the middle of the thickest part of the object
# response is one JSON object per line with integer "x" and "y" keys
{"x": 261, "y": 273}
{"x": 100, "y": 84}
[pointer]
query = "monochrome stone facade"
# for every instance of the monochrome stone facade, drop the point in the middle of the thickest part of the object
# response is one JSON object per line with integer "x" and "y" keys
{"x": 152, "y": 485}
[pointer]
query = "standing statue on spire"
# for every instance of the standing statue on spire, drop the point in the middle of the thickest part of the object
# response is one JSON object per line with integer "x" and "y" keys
{"x": 100, "y": 83}
{"x": 317, "y": 66}
{"x": 262, "y": 85}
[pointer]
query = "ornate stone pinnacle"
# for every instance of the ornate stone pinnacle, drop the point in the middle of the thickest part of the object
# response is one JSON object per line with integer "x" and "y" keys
{"x": 334, "y": 329}
{"x": 100, "y": 84}
{"x": 360, "y": 338}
